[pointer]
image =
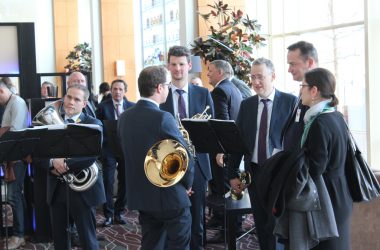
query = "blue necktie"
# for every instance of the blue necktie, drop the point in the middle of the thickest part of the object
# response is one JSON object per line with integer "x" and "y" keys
{"x": 181, "y": 104}
{"x": 262, "y": 141}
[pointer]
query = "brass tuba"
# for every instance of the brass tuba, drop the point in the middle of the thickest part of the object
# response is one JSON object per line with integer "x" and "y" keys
{"x": 166, "y": 163}
{"x": 87, "y": 177}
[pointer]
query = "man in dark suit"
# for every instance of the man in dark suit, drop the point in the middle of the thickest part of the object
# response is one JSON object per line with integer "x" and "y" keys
{"x": 227, "y": 99}
{"x": 302, "y": 57}
{"x": 81, "y": 204}
{"x": 196, "y": 99}
{"x": 164, "y": 212}
{"x": 111, "y": 110}
{"x": 260, "y": 121}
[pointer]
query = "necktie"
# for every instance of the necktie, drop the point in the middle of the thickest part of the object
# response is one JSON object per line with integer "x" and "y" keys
{"x": 69, "y": 121}
{"x": 181, "y": 104}
{"x": 117, "y": 106}
{"x": 262, "y": 141}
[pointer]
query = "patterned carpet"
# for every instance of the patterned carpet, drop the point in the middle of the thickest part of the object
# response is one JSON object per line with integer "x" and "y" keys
{"x": 128, "y": 236}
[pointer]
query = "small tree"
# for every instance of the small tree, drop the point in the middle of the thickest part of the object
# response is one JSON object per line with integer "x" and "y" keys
{"x": 80, "y": 58}
{"x": 232, "y": 40}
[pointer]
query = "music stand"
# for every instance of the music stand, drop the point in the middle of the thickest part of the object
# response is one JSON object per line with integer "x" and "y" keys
{"x": 62, "y": 141}
{"x": 216, "y": 136}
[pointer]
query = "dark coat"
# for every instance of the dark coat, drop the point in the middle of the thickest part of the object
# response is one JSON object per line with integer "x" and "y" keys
{"x": 93, "y": 196}
{"x": 139, "y": 128}
{"x": 227, "y": 99}
{"x": 283, "y": 104}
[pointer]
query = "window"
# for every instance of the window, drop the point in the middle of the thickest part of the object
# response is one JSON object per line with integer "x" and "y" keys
{"x": 336, "y": 28}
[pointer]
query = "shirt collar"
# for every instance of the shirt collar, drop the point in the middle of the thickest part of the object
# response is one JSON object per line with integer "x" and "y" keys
{"x": 185, "y": 88}
{"x": 149, "y": 100}
{"x": 270, "y": 97}
{"x": 75, "y": 117}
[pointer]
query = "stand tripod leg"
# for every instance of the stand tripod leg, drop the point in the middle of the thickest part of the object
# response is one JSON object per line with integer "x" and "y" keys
{"x": 68, "y": 226}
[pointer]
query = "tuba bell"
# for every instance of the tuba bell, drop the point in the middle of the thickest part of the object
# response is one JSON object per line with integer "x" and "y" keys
{"x": 166, "y": 163}
{"x": 84, "y": 179}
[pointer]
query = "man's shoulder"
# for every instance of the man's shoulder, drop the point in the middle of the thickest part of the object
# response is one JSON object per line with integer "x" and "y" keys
{"x": 87, "y": 119}
{"x": 284, "y": 95}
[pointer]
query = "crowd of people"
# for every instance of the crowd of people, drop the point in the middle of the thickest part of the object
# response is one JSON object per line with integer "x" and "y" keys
{"x": 269, "y": 121}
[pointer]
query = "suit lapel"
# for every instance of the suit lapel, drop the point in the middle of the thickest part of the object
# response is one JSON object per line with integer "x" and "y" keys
{"x": 191, "y": 100}
{"x": 253, "y": 118}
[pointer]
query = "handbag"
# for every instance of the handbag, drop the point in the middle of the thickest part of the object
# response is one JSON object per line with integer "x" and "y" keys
{"x": 362, "y": 182}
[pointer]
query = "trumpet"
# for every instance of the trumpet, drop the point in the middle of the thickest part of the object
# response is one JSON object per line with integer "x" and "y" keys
{"x": 245, "y": 179}
{"x": 202, "y": 115}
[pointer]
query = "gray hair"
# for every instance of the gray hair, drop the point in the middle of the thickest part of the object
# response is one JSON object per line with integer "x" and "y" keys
{"x": 268, "y": 63}
{"x": 223, "y": 66}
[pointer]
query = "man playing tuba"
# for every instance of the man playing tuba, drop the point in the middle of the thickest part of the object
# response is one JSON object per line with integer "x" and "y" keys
{"x": 81, "y": 203}
{"x": 164, "y": 212}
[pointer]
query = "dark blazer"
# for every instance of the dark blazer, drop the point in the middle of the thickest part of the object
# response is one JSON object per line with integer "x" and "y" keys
{"x": 198, "y": 99}
{"x": 293, "y": 129}
{"x": 227, "y": 99}
{"x": 283, "y": 105}
{"x": 92, "y": 196}
{"x": 139, "y": 128}
{"x": 106, "y": 111}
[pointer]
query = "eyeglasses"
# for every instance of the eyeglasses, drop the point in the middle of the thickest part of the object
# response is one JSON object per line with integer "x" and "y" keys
{"x": 259, "y": 78}
{"x": 304, "y": 85}
{"x": 166, "y": 84}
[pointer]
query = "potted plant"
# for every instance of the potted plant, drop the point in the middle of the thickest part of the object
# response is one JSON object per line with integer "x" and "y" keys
{"x": 79, "y": 58}
{"x": 232, "y": 39}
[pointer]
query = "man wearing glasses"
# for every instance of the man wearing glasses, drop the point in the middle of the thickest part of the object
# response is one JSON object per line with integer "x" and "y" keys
{"x": 260, "y": 121}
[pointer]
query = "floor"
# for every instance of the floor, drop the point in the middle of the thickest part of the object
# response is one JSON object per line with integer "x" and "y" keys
{"x": 128, "y": 236}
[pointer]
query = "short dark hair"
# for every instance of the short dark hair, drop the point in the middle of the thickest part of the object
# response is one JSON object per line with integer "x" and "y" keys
{"x": 80, "y": 87}
{"x": 325, "y": 82}
{"x": 122, "y": 81}
{"x": 179, "y": 51}
{"x": 149, "y": 78}
{"x": 104, "y": 87}
{"x": 307, "y": 50}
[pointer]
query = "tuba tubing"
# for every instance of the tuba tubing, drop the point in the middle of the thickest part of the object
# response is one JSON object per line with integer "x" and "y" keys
{"x": 87, "y": 177}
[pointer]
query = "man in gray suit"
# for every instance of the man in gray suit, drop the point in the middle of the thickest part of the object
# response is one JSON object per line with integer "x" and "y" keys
{"x": 260, "y": 121}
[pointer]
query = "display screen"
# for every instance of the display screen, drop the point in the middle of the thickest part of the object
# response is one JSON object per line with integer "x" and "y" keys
{"x": 8, "y": 50}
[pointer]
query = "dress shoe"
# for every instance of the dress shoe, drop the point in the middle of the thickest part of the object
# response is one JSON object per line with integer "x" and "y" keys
{"x": 108, "y": 222}
{"x": 75, "y": 241}
{"x": 217, "y": 238}
{"x": 16, "y": 242}
{"x": 120, "y": 220}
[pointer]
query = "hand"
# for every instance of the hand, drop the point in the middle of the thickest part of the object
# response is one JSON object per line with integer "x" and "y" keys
{"x": 219, "y": 160}
{"x": 237, "y": 185}
{"x": 60, "y": 165}
{"x": 189, "y": 192}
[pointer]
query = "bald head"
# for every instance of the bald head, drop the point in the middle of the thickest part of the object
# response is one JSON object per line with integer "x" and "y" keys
{"x": 76, "y": 78}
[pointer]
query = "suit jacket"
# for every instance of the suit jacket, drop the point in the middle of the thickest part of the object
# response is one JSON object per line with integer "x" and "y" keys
{"x": 106, "y": 111}
{"x": 283, "y": 105}
{"x": 242, "y": 86}
{"x": 198, "y": 99}
{"x": 139, "y": 128}
{"x": 293, "y": 129}
{"x": 227, "y": 99}
{"x": 92, "y": 196}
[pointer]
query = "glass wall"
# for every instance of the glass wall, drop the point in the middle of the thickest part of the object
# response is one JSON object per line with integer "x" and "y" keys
{"x": 336, "y": 28}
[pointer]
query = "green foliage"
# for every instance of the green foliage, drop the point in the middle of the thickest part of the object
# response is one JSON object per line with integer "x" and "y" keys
{"x": 80, "y": 58}
{"x": 232, "y": 40}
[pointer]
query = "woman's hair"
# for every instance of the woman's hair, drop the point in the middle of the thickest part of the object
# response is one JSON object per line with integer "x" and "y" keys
{"x": 325, "y": 82}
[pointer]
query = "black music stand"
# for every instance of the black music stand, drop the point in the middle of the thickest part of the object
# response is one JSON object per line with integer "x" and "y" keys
{"x": 62, "y": 141}
{"x": 217, "y": 136}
